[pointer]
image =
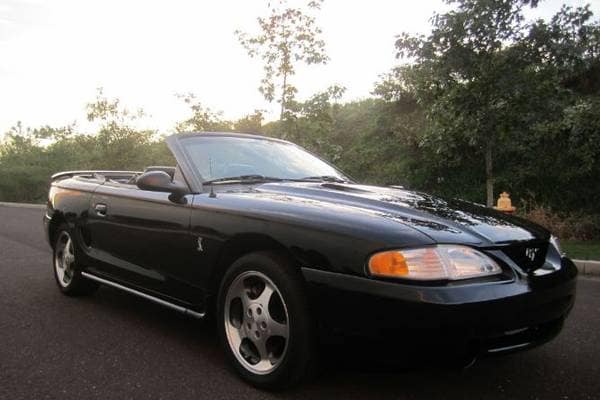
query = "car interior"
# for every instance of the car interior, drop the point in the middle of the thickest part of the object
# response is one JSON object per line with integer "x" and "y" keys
{"x": 173, "y": 172}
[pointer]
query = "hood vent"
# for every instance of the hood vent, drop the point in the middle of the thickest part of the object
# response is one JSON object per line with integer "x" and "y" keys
{"x": 343, "y": 188}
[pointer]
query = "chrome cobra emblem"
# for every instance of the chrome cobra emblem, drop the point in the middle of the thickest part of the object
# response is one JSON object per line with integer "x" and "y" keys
{"x": 530, "y": 252}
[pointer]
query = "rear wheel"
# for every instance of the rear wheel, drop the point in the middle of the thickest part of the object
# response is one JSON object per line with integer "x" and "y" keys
{"x": 264, "y": 321}
{"x": 67, "y": 271}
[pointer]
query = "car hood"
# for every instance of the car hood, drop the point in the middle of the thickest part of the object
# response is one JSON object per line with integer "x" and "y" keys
{"x": 444, "y": 221}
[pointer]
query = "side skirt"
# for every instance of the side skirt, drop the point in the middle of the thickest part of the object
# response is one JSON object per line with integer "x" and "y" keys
{"x": 156, "y": 300}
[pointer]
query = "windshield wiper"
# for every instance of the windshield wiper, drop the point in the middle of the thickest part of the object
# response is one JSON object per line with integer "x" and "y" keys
{"x": 242, "y": 179}
{"x": 326, "y": 178}
{"x": 253, "y": 178}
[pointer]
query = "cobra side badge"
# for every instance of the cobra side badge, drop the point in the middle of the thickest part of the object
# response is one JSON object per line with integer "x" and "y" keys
{"x": 200, "y": 248}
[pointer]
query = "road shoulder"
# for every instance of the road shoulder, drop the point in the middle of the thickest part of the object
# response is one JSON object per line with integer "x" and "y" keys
{"x": 22, "y": 205}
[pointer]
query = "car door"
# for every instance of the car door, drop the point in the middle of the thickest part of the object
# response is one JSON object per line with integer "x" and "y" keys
{"x": 142, "y": 239}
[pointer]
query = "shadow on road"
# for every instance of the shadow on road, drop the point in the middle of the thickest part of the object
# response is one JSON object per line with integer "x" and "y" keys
{"x": 523, "y": 375}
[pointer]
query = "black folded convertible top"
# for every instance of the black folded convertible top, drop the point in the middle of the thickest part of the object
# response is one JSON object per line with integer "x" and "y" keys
{"x": 91, "y": 173}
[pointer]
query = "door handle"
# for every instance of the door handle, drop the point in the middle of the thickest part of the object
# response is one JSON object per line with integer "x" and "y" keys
{"x": 101, "y": 209}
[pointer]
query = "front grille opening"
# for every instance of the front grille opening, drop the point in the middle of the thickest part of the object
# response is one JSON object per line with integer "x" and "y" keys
{"x": 528, "y": 256}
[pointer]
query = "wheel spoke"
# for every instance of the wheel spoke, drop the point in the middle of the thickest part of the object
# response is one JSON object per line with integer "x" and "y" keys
{"x": 243, "y": 332}
{"x": 68, "y": 253}
{"x": 265, "y": 296}
{"x": 237, "y": 289}
{"x": 69, "y": 248}
{"x": 60, "y": 261}
{"x": 277, "y": 329}
{"x": 261, "y": 346}
{"x": 245, "y": 302}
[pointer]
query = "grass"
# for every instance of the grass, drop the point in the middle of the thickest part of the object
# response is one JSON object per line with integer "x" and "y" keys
{"x": 580, "y": 250}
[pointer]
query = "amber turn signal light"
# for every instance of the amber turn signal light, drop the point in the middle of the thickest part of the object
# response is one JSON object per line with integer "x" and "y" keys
{"x": 388, "y": 263}
{"x": 447, "y": 262}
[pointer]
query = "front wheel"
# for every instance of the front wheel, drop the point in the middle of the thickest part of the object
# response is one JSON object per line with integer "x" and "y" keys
{"x": 264, "y": 321}
{"x": 67, "y": 270}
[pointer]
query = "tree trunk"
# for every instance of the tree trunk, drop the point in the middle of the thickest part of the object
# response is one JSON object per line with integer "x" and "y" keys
{"x": 489, "y": 174}
{"x": 283, "y": 89}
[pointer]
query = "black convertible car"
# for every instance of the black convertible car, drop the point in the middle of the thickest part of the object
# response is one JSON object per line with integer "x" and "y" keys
{"x": 278, "y": 246}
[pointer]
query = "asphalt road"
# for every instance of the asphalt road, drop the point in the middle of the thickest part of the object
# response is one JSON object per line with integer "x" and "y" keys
{"x": 115, "y": 346}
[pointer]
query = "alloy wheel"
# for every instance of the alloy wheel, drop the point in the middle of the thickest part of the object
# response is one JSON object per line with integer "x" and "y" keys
{"x": 256, "y": 322}
{"x": 64, "y": 259}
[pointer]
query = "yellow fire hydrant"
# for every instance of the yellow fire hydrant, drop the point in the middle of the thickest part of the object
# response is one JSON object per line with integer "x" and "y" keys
{"x": 504, "y": 203}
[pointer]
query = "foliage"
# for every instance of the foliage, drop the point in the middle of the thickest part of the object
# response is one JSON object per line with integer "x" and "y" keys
{"x": 251, "y": 123}
{"x": 116, "y": 136}
{"x": 287, "y": 36}
{"x": 484, "y": 78}
{"x": 504, "y": 99}
{"x": 28, "y": 157}
{"x": 203, "y": 119}
{"x": 566, "y": 225}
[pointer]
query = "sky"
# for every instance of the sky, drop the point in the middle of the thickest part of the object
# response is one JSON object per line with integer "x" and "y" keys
{"x": 54, "y": 54}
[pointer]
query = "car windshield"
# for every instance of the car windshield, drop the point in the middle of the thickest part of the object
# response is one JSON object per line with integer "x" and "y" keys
{"x": 221, "y": 157}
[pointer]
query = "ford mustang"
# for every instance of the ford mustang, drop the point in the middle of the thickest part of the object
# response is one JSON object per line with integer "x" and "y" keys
{"x": 278, "y": 246}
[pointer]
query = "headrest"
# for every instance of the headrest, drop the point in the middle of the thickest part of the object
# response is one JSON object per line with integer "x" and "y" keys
{"x": 168, "y": 170}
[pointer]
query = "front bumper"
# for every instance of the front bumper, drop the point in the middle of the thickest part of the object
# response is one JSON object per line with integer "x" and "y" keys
{"x": 491, "y": 317}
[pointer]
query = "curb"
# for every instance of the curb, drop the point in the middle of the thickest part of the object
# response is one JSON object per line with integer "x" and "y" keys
{"x": 22, "y": 205}
{"x": 588, "y": 267}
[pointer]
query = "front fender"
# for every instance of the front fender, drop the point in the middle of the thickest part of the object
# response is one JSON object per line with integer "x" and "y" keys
{"x": 335, "y": 238}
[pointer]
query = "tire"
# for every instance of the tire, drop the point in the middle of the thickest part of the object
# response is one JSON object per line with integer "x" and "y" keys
{"x": 264, "y": 321}
{"x": 67, "y": 270}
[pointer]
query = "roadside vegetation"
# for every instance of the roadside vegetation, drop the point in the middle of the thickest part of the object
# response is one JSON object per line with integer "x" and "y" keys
{"x": 487, "y": 102}
{"x": 582, "y": 250}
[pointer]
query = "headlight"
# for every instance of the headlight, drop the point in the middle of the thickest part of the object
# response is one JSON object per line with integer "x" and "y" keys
{"x": 433, "y": 263}
{"x": 554, "y": 242}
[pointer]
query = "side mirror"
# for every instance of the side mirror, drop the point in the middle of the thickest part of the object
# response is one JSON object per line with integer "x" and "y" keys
{"x": 160, "y": 181}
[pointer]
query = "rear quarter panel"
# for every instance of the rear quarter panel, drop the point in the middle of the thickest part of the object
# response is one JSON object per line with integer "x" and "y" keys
{"x": 68, "y": 202}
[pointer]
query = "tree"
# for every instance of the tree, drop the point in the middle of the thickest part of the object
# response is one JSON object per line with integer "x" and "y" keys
{"x": 287, "y": 36}
{"x": 203, "y": 119}
{"x": 312, "y": 123}
{"x": 251, "y": 123}
{"x": 117, "y": 142}
{"x": 487, "y": 79}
